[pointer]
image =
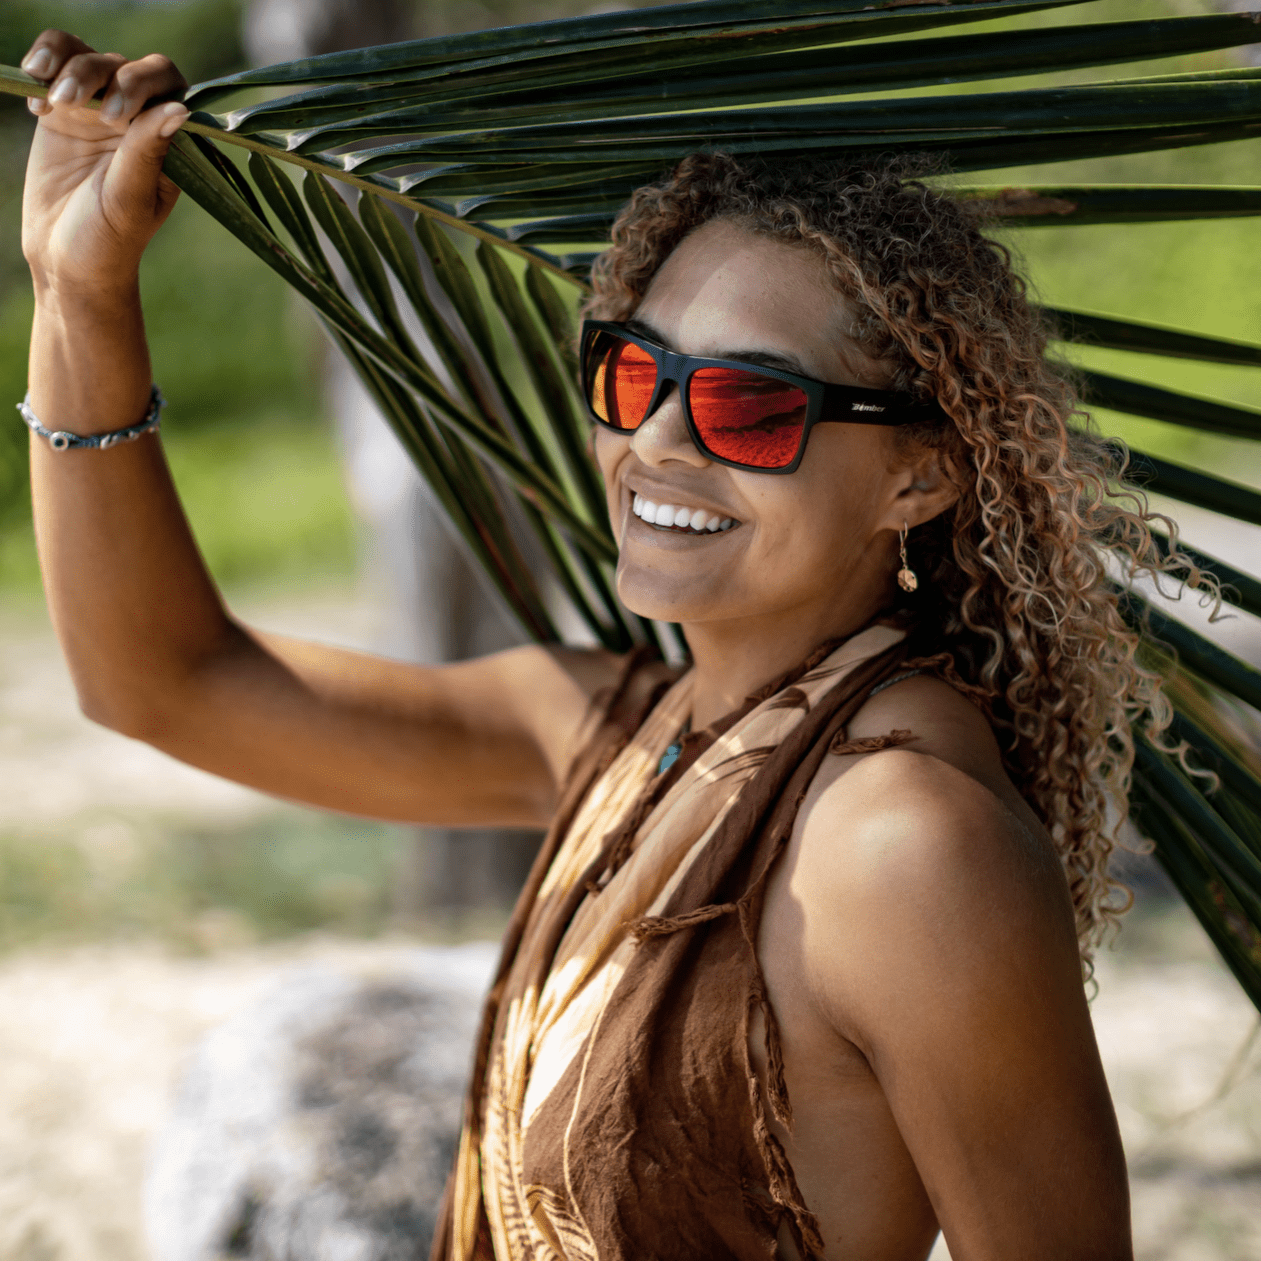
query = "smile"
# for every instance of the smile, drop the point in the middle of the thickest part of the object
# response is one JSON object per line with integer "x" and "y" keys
{"x": 680, "y": 517}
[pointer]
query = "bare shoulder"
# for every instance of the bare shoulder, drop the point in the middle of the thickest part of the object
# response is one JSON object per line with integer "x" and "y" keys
{"x": 911, "y": 873}
{"x": 947, "y": 726}
{"x": 942, "y": 803}
{"x": 900, "y": 816}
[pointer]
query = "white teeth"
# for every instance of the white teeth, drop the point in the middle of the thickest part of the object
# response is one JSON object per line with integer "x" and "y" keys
{"x": 679, "y": 516}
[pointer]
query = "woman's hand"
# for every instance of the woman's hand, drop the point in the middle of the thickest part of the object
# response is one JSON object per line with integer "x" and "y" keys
{"x": 95, "y": 193}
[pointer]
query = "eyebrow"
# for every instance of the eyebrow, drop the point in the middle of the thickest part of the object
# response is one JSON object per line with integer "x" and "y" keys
{"x": 759, "y": 358}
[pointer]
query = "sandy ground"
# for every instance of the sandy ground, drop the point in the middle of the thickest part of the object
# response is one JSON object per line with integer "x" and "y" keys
{"x": 56, "y": 767}
{"x": 92, "y": 1038}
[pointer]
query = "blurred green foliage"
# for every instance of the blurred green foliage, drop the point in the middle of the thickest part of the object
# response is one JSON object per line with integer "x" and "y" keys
{"x": 269, "y": 503}
{"x": 202, "y": 37}
{"x": 113, "y": 877}
{"x": 237, "y": 357}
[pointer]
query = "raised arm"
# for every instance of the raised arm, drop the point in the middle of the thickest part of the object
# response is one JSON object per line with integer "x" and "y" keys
{"x": 152, "y": 649}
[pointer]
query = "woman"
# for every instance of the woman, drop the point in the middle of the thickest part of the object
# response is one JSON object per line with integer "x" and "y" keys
{"x": 799, "y": 971}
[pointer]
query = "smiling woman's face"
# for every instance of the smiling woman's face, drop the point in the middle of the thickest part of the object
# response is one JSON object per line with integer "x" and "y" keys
{"x": 813, "y": 545}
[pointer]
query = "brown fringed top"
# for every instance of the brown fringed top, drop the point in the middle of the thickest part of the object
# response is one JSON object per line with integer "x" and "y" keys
{"x": 614, "y": 1111}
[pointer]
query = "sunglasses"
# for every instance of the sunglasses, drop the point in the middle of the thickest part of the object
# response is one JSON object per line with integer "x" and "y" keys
{"x": 740, "y": 414}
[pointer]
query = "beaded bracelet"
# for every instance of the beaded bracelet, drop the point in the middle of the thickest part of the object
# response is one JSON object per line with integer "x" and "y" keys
{"x": 60, "y": 440}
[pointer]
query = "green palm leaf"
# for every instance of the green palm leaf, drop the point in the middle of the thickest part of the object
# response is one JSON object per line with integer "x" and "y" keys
{"x": 1051, "y": 206}
{"x": 1189, "y": 486}
{"x": 563, "y": 90}
{"x": 1212, "y": 867}
{"x": 1137, "y": 399}
{"x": 415, "y": 195}
{"x": 1238, "y": 587}
{"x": 1090, "y": 329}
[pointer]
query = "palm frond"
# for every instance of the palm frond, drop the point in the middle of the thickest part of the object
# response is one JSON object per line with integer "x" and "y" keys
{"x": 1195, "y": 653}
{"x": 1217, "y": 872}
{"x": 1238, "y": 587}
{"x": 439, "y": 204}
{"x": 1189, "y": 486}
{"x": 1136, "y": 399}
{"x": 1090, "y": 329}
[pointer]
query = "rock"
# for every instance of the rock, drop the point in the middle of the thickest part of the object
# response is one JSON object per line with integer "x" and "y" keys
{"x": 320, "y": 1123}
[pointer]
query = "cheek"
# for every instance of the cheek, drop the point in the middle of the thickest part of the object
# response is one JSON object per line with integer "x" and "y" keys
{"x": 609, "y": 449}
{"x": 807, "y": 534}
{"x": 821, "y": 518}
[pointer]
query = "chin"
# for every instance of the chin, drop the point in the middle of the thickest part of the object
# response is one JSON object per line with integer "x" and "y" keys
{"x": 666, "y": 597}
{"x": 683, "y": 598}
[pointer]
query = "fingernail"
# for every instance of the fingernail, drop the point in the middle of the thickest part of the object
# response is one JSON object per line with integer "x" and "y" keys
{"x": 173, "y": 116}
{"x": 39, "y": 65}
{"x": 37, "y": 105}
{"x": 64, "y": 91}
{"x": 113, "y": 107}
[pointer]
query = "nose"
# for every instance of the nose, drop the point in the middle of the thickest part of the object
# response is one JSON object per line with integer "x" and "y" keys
{"x": 664, "y": 437}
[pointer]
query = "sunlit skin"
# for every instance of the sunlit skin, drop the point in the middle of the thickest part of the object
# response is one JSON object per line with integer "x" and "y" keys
{"x": 917, "y": 940}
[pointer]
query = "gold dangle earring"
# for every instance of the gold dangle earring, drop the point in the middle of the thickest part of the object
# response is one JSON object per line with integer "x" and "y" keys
{"x": 906, "y": 575}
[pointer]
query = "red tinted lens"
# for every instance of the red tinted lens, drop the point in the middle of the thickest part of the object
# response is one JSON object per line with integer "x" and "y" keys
{"x": 620, "y": 379}
{"x": 746, "y": 417}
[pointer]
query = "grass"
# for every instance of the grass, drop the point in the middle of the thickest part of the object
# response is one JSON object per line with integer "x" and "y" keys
{"x": 196, "y": 887}
{"x": 116, "y": 877}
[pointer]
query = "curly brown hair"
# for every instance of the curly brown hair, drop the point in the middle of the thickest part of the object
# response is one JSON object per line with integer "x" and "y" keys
{"x": 1015, "y": 577}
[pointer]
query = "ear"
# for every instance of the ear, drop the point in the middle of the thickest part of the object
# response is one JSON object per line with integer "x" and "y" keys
{"x": 923, "y": 489}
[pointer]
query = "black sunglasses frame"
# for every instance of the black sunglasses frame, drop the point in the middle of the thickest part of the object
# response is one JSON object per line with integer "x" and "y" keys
{"x": 824, "y": 399}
